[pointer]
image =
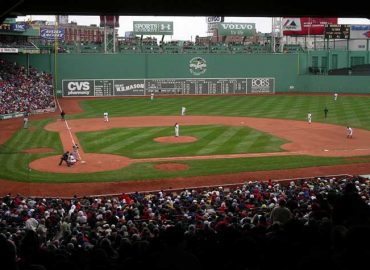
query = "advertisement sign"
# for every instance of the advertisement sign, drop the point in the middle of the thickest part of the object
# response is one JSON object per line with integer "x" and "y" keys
{"x": 306, "y": 25}
{"x": 51, "y": 33}
{"x": 260, "y": 85}
{"x": 152, "y": 28}
{"x": 214, "y": 19}
{"x": 8, "y": 50}
{"x": 360, "y": 31}
{"x": 78, "y": 88}
{"x": 18, "y": 27}
{"x": 236, "y": 29}
{"x": 129, "y": 87}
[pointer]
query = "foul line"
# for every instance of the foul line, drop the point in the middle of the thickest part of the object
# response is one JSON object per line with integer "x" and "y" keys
{"x": 69, "y": 131}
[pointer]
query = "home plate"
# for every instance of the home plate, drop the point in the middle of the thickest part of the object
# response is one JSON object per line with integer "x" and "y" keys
{"x": 326, "y": 150}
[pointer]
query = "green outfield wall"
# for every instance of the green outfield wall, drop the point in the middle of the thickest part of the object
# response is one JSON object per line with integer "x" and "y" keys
{"x": 289, "y": 70}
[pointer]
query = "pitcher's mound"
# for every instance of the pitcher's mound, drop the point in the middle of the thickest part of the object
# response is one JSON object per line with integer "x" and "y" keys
{"x": 171, "y": 167}
{"x": 173, "y": 139}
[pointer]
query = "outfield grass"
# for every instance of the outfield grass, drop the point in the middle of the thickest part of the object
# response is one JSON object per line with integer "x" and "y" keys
{"x": 347, "y": 110}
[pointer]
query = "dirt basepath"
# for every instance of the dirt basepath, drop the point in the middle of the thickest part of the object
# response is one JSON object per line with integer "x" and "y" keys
{"x": 314, "y": 139}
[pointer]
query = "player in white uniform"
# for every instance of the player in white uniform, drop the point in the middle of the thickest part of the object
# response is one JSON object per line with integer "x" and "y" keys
{"x": 309, "y": 117}
{"x": 349, "y": 132}
{"x": 152, "y": 96}
{"x": 177, "y": 127}
{"x": 183, "y": 110}
{"x": 335, "y": 96}
{"x": 106, "y": 117}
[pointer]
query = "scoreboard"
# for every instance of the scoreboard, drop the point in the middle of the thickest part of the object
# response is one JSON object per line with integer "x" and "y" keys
{"x": 337, "y": 31}
{"x": 166, "y": 86}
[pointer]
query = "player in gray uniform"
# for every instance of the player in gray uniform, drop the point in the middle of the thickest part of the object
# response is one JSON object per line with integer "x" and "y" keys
{"x": 183, "y": 110}
{"x": 309, "y": 117}
{"x": 106, "y": 117}
{"x": 349, "y": 132}
{"x": 177, "y": 127}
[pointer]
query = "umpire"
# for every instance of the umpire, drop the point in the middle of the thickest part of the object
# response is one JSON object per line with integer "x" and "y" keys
{"x": 64, "y": 157}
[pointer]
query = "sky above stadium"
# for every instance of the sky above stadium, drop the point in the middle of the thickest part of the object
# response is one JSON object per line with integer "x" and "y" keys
{"x": 185, "y": 28}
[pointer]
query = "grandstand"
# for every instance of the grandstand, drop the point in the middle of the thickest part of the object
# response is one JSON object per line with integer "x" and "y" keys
{"x": 248, "y": 184}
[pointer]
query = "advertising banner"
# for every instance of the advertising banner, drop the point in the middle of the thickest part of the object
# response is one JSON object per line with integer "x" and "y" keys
{"x": 236, "y": 29}
{"x": 8, "y": 50}
{"x": 306, "y": 26}
{"x": 360, "y": 31}
{"x": 129, "y": 87}
{"x": 18, "y": 27}
{"x": 152, "y": 28}
{"x": 78, "y": 88}
{"x": 260, "y": 85}
{"x": 50, "y": 33}
{"x": 214, "y": 19}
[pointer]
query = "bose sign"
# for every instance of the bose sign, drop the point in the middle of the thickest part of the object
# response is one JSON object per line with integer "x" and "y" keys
{"x": 260, "y": 85}
{"x": 78, "y": 88}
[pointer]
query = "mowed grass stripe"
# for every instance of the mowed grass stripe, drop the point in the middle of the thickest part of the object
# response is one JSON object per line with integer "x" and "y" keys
{"x": 218, "y": 141}
{"x": 273, "y": 106}
{"x": 212, "y": 139}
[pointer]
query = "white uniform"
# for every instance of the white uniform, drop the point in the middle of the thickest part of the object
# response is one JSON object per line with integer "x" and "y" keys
{"x": 151, "y": 96}
{"x": 177, "y": 130}
{"x": 183, "y": 110}
{"x": 309, "y": 118}
{"x": 349, "y": 132}
{"x": 106, "y": 117}
{"x": 335, "y": 96}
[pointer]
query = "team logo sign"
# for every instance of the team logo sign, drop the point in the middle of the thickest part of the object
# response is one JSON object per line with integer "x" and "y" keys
{"x": 197, "y": 66}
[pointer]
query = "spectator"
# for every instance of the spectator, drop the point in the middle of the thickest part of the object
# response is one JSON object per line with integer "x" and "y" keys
{"x": 22, "y": 91}
{"x": 281, "y": 213}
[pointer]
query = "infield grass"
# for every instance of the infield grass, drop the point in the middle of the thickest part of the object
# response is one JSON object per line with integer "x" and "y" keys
{"x": 211, "y": 140}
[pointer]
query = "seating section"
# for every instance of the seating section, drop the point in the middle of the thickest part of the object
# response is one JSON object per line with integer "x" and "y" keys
{"x": 24, "y": 92}
{"x": 312, "y": 223}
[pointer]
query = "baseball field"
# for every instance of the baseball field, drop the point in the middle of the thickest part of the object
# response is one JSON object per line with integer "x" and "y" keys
{"x": 223, "y": 139}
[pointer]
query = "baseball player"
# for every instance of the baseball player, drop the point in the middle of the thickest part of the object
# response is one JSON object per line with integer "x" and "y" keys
{"x": 151, "y": 96}
{"x": 177, "y": 127}
{"x": 326, "y": 111}
{"x": 349, "y": 132}
{"x": 309, "y": 117}
{"x": 25, "y": 121}
{"x": 183, "y": 110}
{"x": 335, "y": 96}
{"x": 106, "y": 117}
{"x": 75, "y": 150}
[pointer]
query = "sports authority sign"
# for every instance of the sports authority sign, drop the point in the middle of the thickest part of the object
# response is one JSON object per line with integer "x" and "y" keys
{"x": 260, "y": 85}
{"x": 152, "y": 28}
{"x": 236, "y": 29}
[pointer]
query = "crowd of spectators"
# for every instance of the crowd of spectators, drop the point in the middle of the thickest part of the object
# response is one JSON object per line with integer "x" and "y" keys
{"x": 24, "y": 91}
{"x": 305, "y": 224}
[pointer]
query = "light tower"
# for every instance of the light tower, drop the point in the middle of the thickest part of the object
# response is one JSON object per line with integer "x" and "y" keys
{"x": 277, "y": 34}
{"x": 109, "y": 23}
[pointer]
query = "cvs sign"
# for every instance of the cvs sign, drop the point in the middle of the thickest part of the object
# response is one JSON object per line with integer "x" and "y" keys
{"x": 75, "y": 88}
